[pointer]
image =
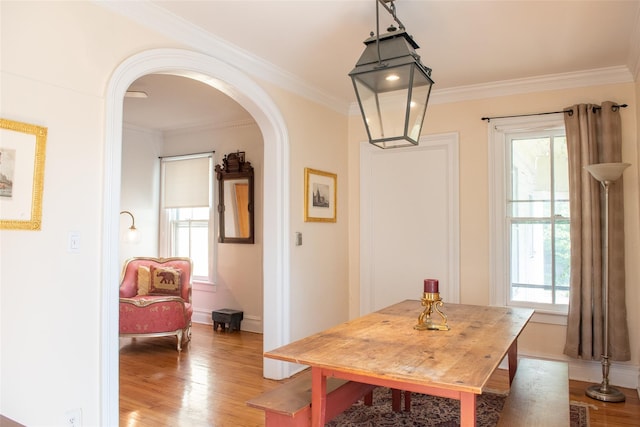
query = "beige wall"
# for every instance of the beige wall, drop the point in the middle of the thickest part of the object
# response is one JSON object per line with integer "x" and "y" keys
{"x": 465, "y": 118}
{"x": 319, "y": 279}
{"x": 56, "y": 62}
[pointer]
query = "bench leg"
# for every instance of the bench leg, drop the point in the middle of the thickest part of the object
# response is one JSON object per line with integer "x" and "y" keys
{"x": 302, "y": 419}
{"x": 368, "y": 399}
{"x": 513, "y": 360}
{"x": 396, "y": 400}
{"x": 396, "y": 395}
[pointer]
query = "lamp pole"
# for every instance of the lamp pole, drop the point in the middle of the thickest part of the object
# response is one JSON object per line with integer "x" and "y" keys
{"x": 606, "y": 173}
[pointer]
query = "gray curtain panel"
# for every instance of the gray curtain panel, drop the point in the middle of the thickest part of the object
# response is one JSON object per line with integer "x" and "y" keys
{"x": 594, "y": 136}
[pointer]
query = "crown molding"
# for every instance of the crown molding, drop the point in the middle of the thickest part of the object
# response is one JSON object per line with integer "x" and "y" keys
{"x": 191, "y": 128}
{"x": 210, "y": 126}
{"x": 176, "y": 28}
{"x": 135, "y": 128}
{"x": 596, "y": 77}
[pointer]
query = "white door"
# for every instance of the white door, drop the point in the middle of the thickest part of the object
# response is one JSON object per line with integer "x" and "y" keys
{"x": 409, "y": 228}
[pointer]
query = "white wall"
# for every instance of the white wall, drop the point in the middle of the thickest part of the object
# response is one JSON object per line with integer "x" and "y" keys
{"x": 139, "y": 192}
{"x": 57, "y": 59}
{"x": 239, "y": 281}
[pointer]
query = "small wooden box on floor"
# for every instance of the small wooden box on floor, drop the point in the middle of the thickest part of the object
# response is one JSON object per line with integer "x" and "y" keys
{"x": 227, "y": 319}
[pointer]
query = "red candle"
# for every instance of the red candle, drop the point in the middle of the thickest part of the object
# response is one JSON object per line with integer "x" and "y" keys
{"x": 431, "y": 286}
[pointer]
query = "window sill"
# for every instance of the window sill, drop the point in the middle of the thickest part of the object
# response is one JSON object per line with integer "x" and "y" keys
{"x": 545, "y": 315}
{"x": 204, "y": 286}
{"x": 549, "y": 317}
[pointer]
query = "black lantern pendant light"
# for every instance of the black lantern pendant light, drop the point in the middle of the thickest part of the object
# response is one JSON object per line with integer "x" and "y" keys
{"x": 392, "y": 85}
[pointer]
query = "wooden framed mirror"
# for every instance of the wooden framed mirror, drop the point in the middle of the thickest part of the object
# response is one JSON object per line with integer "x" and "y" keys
{"x": 235, "y": 199}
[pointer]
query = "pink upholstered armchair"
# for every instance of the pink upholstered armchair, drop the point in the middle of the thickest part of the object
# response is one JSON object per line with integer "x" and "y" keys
{"x": 155, "y": 298}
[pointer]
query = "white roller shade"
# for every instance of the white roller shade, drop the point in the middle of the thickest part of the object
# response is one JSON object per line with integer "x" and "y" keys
{"x": 186, "y": 182}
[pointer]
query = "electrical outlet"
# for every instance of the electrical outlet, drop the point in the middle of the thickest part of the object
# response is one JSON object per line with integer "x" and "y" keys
{"x": 74, "y": 417}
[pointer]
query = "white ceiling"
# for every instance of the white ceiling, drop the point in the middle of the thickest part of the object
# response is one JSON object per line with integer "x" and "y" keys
{"x": 464, "y": 42}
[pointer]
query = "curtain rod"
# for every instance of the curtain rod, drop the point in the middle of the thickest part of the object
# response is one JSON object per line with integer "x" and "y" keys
{"x": 190, "y": 154}
{"x": 570, "y": 111}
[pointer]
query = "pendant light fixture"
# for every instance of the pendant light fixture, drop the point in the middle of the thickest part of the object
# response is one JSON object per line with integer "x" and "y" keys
{"x": 392, "y": 85}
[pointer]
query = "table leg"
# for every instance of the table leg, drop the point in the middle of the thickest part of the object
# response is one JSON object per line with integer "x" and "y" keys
{"x": 318, "y": 397}
{"x": 467, "y": 409}
{"x": 513, "y": 360}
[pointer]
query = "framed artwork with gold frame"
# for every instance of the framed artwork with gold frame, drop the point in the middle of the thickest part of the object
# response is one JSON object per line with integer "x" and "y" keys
{"x": 320, "y": 196}
{"x": 22, "y": 154}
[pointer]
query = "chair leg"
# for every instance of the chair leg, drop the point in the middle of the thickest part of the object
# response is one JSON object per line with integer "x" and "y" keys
{"x": 179, "y": 336}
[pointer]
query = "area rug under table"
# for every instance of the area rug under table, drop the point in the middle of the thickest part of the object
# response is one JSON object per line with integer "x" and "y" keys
{"x": 431, "y": 411}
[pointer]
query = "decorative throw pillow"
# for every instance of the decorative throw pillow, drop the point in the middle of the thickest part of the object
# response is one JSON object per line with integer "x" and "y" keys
{"x": 143, "y": 280}
{"x": 164, "y": 281}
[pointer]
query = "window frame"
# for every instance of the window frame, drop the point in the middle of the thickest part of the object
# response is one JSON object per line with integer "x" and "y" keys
{"x": 167, "y": 220}
{"x": 499, "y": 226}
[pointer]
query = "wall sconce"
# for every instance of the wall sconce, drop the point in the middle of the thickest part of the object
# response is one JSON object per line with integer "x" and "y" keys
{"x": 392, "y": 85}
{"x": 133, "y": 231}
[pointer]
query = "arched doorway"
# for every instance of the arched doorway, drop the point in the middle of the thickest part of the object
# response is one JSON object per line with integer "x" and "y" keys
{"x": 234, "y": 83}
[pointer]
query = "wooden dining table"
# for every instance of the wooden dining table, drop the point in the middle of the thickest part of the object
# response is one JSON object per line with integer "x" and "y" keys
{"x": 383, "y": 348}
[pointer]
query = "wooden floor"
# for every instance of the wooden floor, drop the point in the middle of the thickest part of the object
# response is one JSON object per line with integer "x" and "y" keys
{"x": 208, "y": 383}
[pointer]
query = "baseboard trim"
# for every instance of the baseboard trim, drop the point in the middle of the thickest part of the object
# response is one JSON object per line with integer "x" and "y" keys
{"x": 621, "y": 374}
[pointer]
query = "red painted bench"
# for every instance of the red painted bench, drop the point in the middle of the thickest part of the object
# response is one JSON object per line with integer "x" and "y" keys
{"x": 289, "y": 405}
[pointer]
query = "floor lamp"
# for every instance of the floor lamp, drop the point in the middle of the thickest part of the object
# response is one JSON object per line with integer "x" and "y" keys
{"x": 606, "y": 173}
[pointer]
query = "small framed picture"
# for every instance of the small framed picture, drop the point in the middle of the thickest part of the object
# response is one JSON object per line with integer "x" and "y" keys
{"x": 320, "y": 190}
{"x": 22, "y": 153}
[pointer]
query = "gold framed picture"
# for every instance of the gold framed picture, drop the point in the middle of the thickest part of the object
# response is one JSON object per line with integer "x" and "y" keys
{"x": 22, "y": 153}
{"x": 320, "y": 190}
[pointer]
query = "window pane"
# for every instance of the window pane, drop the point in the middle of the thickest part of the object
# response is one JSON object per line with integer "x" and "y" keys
{"x": 530, "y": 209}
{"x": 192, "y": 213}
{"x": 560, "y": 168}
{"x": 531, "y": 169}
{"x": 561, "y": 176}
{"x": 180, "y": 239}
{"x": 531, "y": 262}
{"x": 563, "y": 262}
{"x": 190, "y": 239}
{"x": 562, "y": 208}
{"x": 199, "y": 249}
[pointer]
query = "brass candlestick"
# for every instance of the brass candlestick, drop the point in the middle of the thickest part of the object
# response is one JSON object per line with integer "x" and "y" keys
{"x": 431, "y": 301}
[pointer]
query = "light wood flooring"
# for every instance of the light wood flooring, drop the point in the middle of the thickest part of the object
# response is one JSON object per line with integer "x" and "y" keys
{"x": 208, "y": 383}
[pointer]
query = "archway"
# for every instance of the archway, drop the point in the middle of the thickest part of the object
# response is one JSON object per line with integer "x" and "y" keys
{"x": 234, "y": 83}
